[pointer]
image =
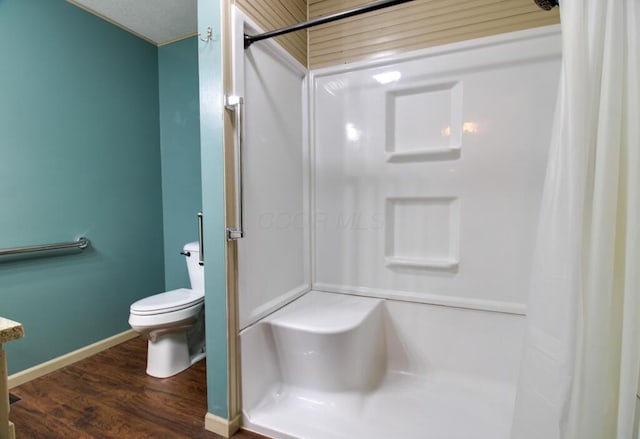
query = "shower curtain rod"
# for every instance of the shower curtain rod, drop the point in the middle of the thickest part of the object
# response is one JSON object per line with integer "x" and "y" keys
{"x": 250, "y": 39}
{"x": 547, "y": 5}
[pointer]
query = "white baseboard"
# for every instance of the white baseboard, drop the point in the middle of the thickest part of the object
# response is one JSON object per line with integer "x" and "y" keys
{"x": 221, "y": 426}
{"x": 65, "y": 360}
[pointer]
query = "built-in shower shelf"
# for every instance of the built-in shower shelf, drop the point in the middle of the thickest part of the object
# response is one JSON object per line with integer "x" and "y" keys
{"x": 436, "y": 263}
{"x": 424, "y": 154}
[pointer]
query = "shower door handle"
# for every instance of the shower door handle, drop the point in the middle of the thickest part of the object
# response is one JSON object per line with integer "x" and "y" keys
{"x": 236, "y": 104}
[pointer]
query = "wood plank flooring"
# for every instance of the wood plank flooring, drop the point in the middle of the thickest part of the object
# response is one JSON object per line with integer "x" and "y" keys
{"x": 109, "y": 395}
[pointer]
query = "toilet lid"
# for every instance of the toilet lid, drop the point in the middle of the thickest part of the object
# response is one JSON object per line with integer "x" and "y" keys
{"x": 174, "y": 300}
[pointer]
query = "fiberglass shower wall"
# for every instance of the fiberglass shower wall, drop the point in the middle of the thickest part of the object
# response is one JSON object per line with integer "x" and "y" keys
{"x": 425, "y": 173}
{"x": 273, "y": 257}
{"x": 428, "y": 173}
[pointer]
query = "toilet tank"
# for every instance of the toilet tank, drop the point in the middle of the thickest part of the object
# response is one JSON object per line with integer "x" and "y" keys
{"x": 196, "y": 271}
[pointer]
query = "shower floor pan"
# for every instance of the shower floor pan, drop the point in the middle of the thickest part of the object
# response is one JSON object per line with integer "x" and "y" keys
{"x": 326, "y": 366}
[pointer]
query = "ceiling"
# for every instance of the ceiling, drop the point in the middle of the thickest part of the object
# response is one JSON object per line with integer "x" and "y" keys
{"x": 157, "y": 21}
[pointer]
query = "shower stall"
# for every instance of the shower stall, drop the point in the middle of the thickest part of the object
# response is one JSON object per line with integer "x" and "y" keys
{"x": 389, "y": 209}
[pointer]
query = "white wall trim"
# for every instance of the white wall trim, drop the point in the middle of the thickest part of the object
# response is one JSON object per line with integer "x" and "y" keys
{"x": 306, "y": 182}
{"x": 461, "y": 46}
{"x": 311, "y": 147}
{"x": 67, "y": 359}
{"x": 431, "y": 299}
{"x": 176, "y": 39}
{"x": 221, "y": 426}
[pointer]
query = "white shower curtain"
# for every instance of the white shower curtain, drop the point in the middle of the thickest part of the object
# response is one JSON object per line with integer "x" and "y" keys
{"x": 581, "y": 359}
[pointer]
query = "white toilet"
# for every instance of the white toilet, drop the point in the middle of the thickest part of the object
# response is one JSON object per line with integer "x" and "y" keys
{"x": 173, "y": 322}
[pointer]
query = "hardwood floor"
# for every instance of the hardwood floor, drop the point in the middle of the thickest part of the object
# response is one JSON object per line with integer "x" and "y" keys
{"x": 109, "y": 395}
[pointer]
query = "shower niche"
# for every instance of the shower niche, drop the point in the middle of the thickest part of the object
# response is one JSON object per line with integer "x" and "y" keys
{"x": 422, "y": 233}
{"x": 424, "y": 123}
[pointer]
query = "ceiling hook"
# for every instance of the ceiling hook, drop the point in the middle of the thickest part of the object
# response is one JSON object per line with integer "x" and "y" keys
{"x": 209, "y": 35}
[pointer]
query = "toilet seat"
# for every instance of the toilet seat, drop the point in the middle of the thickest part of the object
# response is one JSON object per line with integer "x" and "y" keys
{"x": 174, "y": 300}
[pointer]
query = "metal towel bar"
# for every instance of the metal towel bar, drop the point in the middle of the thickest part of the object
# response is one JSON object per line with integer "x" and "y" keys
{"x": 81, "y": 243}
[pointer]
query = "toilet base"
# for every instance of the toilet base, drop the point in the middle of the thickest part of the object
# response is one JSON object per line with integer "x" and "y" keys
{"x": 169, "y": 355}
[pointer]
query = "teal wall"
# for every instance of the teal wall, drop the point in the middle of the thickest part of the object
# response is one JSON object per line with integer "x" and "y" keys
{"x": 211, "y": 104}
{"x": 180, "y": 146}
{"x": 79, "y": 155}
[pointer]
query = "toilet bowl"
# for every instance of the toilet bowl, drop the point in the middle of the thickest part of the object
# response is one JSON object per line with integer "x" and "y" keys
{"x": 173, "y": 322}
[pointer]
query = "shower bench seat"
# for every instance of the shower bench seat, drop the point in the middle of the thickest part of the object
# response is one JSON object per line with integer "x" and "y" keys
{"x": 330, "y": 342}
